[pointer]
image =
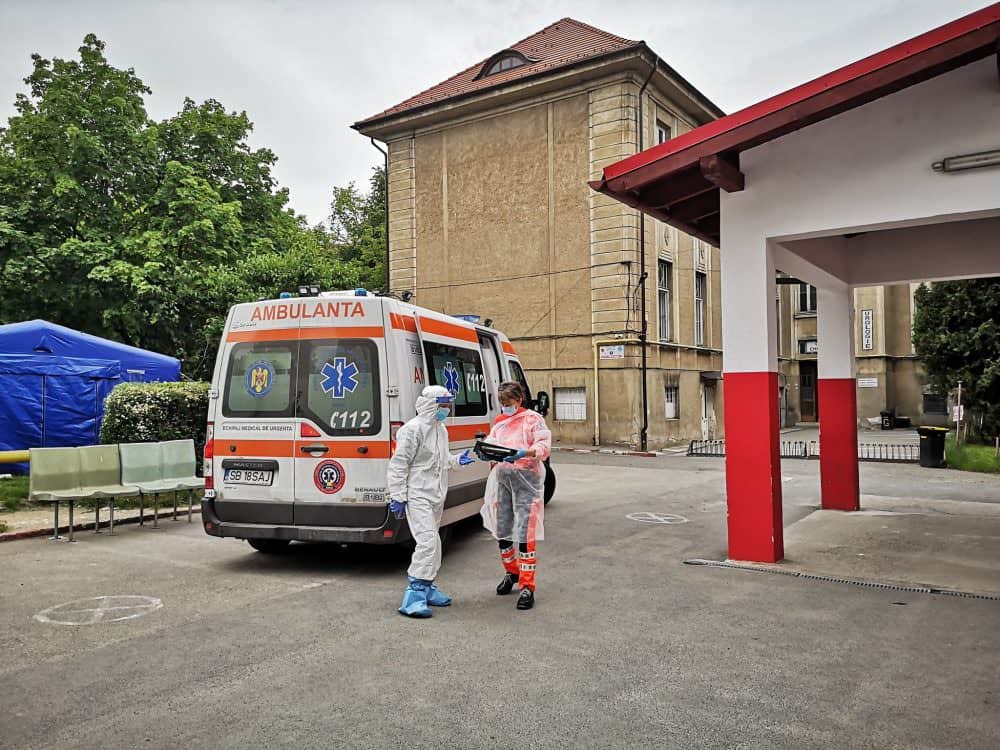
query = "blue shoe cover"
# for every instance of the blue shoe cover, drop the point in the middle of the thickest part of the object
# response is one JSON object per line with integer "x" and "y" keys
{"x": 436, "y": 597}
{"x": 415, "y": 600}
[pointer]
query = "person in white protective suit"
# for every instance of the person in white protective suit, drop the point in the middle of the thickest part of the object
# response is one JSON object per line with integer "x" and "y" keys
{"x": 417, "y": 484}
{"x": 514, "y": 504}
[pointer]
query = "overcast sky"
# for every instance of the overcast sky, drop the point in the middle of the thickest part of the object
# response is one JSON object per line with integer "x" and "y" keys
{"x": 304, "y": 70}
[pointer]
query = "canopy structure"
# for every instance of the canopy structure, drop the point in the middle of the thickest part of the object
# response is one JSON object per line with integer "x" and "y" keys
{"x": 679, "y": 181}
{"x": 54, "y": 380}
{"x": 883, "y": 172}
{"x": 42, "y": 337}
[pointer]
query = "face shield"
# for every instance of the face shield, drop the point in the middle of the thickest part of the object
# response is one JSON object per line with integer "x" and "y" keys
{"x": 446, "y": 403}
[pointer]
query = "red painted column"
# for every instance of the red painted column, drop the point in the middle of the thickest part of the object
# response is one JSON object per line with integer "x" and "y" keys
{"x": 753, "y": 466}
{"x": 838, "y": 401}
{"x": 838, "y": 444}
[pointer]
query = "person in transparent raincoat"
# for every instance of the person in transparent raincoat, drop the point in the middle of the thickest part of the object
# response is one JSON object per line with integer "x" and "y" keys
{"x": 514, "y": 503}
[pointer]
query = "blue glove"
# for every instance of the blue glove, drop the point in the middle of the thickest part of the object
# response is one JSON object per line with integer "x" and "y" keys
{"x": 398, "y": 508}
{"x": 465, "y": 459}
{"x": 521, "y": 453}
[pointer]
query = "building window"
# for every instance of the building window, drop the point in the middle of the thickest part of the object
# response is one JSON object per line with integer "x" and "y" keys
{"x": 663, "y": 132}
{"x": 700, "y": 282}
{"x": 671, "y": 410}
{"x": 935, "y": 403}
{"x": 664, "y": 269}
{"x": 506, "y": 60}
{"x": 571, "y": 404}
{"x": 807, "y": 298}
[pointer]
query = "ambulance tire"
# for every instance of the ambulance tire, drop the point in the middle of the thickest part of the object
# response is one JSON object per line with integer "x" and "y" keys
{"x": 550, "y": 483}
{"x": 269, "y": 546}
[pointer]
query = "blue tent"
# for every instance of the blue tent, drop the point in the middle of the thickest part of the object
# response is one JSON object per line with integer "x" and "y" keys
{"x": 53, "y": 382}
{"x": 42, "y": 337}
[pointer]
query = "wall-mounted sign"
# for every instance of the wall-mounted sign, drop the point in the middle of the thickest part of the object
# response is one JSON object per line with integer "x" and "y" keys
{"x": 615, "y": 351}
{"x": 808, "y": 346}
{"x": 867, "y": 330}
{"x": 867, "y": 382}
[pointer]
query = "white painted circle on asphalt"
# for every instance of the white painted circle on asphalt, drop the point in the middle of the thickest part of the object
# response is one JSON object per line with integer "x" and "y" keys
{"x": 99, "y": 609}
{"x": 647, "y": 517}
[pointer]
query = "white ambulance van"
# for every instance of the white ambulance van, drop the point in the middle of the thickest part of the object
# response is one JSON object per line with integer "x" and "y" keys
{"x": 306, "y": 398}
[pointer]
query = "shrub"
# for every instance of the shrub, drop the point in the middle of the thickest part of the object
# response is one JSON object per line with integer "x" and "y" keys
{"x": 151, "y": 412}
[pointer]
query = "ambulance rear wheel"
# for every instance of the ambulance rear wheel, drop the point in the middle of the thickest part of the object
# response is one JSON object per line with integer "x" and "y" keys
{"x": 269, "y": 546}
{"x": 550, "y": 483}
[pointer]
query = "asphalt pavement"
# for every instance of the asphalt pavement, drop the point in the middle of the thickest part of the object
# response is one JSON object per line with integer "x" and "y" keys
{"x": 627, "y": 646}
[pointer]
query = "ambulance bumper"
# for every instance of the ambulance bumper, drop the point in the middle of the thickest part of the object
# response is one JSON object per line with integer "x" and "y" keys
{"x": 392, "y": 530}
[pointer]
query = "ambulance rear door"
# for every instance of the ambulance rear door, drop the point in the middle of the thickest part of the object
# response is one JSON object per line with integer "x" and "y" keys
{"x": 254, "y": 426}
{"x": 342, "y": 442}
{"x": 454, "y": 359}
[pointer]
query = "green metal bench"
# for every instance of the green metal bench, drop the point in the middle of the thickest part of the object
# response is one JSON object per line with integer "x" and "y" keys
{"x": 179, "y": 463}
{"x": 100, "y": 478}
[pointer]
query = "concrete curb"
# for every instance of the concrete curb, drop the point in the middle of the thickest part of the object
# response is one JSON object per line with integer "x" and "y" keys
{"x": 608, "y": 451}
{"x": 13, "y": 536}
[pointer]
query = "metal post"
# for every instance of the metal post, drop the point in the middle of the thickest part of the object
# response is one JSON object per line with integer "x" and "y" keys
{"x": 175, "y": 505}
{"x": 142, "y": 520}
{"x": 190, "y": 502}
{"x": 97, "y": 517}
{"x": 111, "y": 518}
{"x": 958, "y": 422}
{"x": 55, "y": 521}
{"x": 71, "y": 520}
{"x": 156, "y": 510}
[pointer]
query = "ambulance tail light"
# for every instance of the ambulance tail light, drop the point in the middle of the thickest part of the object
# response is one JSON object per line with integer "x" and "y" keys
{"x": 209, "y": 455}
{"x": 308, "y": 431}
{"x": 393, "y": 430}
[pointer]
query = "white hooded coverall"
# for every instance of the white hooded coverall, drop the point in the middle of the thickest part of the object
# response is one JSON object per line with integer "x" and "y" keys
{"x": 418, "y": 475}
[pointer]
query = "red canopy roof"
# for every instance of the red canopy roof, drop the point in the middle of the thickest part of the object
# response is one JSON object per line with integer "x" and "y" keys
{"x": 678, "y": 181}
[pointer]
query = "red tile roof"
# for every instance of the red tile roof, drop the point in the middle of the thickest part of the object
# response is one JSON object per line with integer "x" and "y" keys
{"x": 562, "y": 44}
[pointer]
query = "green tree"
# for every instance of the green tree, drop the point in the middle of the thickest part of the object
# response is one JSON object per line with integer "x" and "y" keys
{"x": 74, "y": 165}
{"x": 148, "y": 232}
{"x": 357, "y": 228}
{"x": 956, "y": 332}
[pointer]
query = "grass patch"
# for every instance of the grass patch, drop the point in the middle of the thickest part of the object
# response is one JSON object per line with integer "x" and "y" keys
{"x": 13, "y": 493}
{"x": 971, "y": 457}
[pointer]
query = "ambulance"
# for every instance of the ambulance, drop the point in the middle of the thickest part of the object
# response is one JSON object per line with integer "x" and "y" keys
{"x": 307, "y": 396}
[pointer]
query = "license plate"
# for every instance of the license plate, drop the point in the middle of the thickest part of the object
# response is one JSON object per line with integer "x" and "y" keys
{"x": 246, "y": 476}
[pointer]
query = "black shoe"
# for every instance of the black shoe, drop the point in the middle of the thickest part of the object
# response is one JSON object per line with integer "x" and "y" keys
{"x": 507, "y": 584}
{"x": 526, "y": 600}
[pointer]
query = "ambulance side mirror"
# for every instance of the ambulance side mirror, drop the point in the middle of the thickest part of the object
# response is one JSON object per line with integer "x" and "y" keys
{"x": 542, "y": 403}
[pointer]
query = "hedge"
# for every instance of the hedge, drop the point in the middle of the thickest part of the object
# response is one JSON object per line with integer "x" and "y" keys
{"x": 151, "y": 412}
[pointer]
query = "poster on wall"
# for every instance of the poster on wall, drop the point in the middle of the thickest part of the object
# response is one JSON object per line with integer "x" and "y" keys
{"x": 867, "y": 326}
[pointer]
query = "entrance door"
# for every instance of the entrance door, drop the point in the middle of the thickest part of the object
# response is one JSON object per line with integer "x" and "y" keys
{"x": 707, "y": 412}
{"x": 808, "y": 400}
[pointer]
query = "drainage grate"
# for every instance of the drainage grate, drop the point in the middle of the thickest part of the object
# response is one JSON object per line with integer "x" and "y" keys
{"x": 849, "y": 581}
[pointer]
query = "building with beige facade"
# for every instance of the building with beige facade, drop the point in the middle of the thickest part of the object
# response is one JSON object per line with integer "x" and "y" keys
{"x": 490, "y": 213}
{"x": 889, "y": 374}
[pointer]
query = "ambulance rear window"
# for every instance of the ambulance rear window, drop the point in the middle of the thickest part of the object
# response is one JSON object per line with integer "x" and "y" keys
{"x": 259, "y": 382}
{"x": 340, "y": 380}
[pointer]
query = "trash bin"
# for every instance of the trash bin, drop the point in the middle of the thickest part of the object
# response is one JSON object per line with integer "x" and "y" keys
{"x": 888, "y": 418}
{"x": 932, "y": 446}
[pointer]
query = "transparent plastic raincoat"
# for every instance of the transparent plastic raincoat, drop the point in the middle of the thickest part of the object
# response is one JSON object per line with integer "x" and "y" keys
{"x": 514, "y": 503}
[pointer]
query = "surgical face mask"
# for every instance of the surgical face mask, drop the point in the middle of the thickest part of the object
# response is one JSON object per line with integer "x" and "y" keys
{"x": 442, "y": 414}
{"x": 508, "y": 410}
